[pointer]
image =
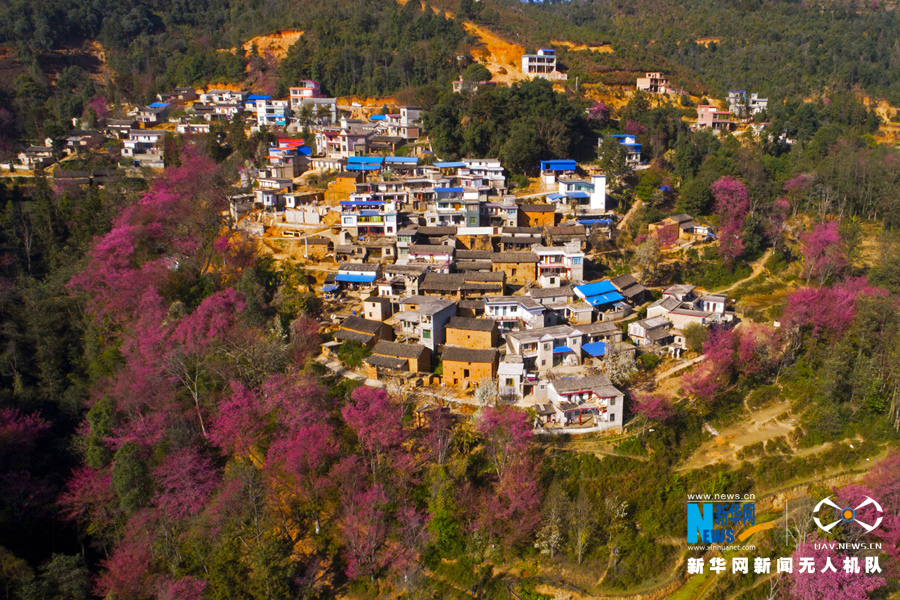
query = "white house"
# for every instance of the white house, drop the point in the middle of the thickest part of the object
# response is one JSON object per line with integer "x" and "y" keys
{"x": 556, "y": 264}
{"x": 515, "y": 312}
{"x": 583, "y": 193}
{"x": 547, "y": 347}
{"x": 271, "y": 113}
{"x": 543, "y": 65}
{"x": 589, "y": 400}
{"x": 144, "y": 147}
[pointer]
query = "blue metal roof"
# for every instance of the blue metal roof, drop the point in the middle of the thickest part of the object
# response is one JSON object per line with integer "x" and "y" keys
{"x": 362, "y": 202}
{"x": 555, "y": 196}
{"x": 595, "y": 348}
{"x": 449, "y": 190}
{"x": 330, "y": 287}
{"x": 578, "y": 195}
{"x": 363, "y": 167}
{"x": 403, "y": 160}
{"x": 558, "y": 165}
{"x": 378, "y": 118}
{"x": 354, "y": 278}
{"x": 448, "y": 165}
{"x": 562, "y": 350}
{"x": 304, "y": 150}
{"x": 365, "y": 160}
{"x": 595, "y": 288}
{"x": 593, "y": 221}
{"x": 158, "y": 105}
{"x": 259, "y": 96}
{"x": 601, "y": 299}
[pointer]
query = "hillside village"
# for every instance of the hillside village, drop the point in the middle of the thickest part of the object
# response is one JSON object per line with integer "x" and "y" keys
{"x": 434, "y": 270}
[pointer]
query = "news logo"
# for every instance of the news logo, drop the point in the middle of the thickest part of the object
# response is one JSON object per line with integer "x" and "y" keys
{"x": 715, "y": 522}
{"x": 847, "y": 514}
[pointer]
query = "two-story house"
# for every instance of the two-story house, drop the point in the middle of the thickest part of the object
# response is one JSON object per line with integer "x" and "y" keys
{"x": 558, "y": 266}
{"x": 425, "y": 318}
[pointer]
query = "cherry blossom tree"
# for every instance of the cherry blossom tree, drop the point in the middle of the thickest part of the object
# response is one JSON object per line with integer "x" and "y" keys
{"x": 655, "y": 407}
{"x": 183, "y": 588}
{"x": 127, "y": 570}
{"x": 89, "y": 500}
{"x": 377, "y": 423}
{"x": 240, "y": 422}
{"x": 666, "y": 236}
{"x": 305, "y": 339}
{"x": 184, "y": 482}
{"x": 506, "y": 433}
{"x": 19, "y": 433}
{"x": 364, "y": 527}
{"x": 758, "y": 349}
{"x": 796, "y": 188}
{"x": 301, "y": 460}
{"x": 824, "y": 252}
{"x": 732, "y": 206}
{"x": 599, "y": 112}
{"x": 828, "y": 310}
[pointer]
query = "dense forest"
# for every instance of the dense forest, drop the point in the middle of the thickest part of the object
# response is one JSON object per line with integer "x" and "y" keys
{"x": 779, "y": 49}
{"x": 361, "y": 47}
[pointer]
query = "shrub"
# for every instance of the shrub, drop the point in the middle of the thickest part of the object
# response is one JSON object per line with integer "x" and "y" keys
{"x": 353, "y": 353}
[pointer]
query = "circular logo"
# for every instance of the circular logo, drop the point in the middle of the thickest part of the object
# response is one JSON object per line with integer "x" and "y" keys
{"x": 847, "y": 514}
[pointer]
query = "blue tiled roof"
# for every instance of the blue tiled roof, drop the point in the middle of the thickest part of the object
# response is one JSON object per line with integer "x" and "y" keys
{"x": 354, "y": 278}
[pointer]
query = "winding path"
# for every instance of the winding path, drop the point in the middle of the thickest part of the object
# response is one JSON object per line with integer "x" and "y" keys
{"x": 758, "y": 268}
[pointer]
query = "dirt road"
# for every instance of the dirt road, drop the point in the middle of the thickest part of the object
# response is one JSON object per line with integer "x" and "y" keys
{"x": 758, "y": 268}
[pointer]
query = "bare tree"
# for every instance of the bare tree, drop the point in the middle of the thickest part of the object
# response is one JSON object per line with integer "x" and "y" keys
{"x": 582, "y": 522}
{"x": 556, "y": 508}
{"x": 486, "y": 392}
{"x": 620, "y": 364}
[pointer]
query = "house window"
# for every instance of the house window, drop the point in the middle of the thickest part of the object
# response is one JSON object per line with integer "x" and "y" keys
{"x": 612, "y": 416}
{"x": 509, "y": 382}
{"x": 426, "y": 334}
{"x": 576, "y": 260}
{"x": 612, "y": 402}
{"x": 466, "y": 373}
